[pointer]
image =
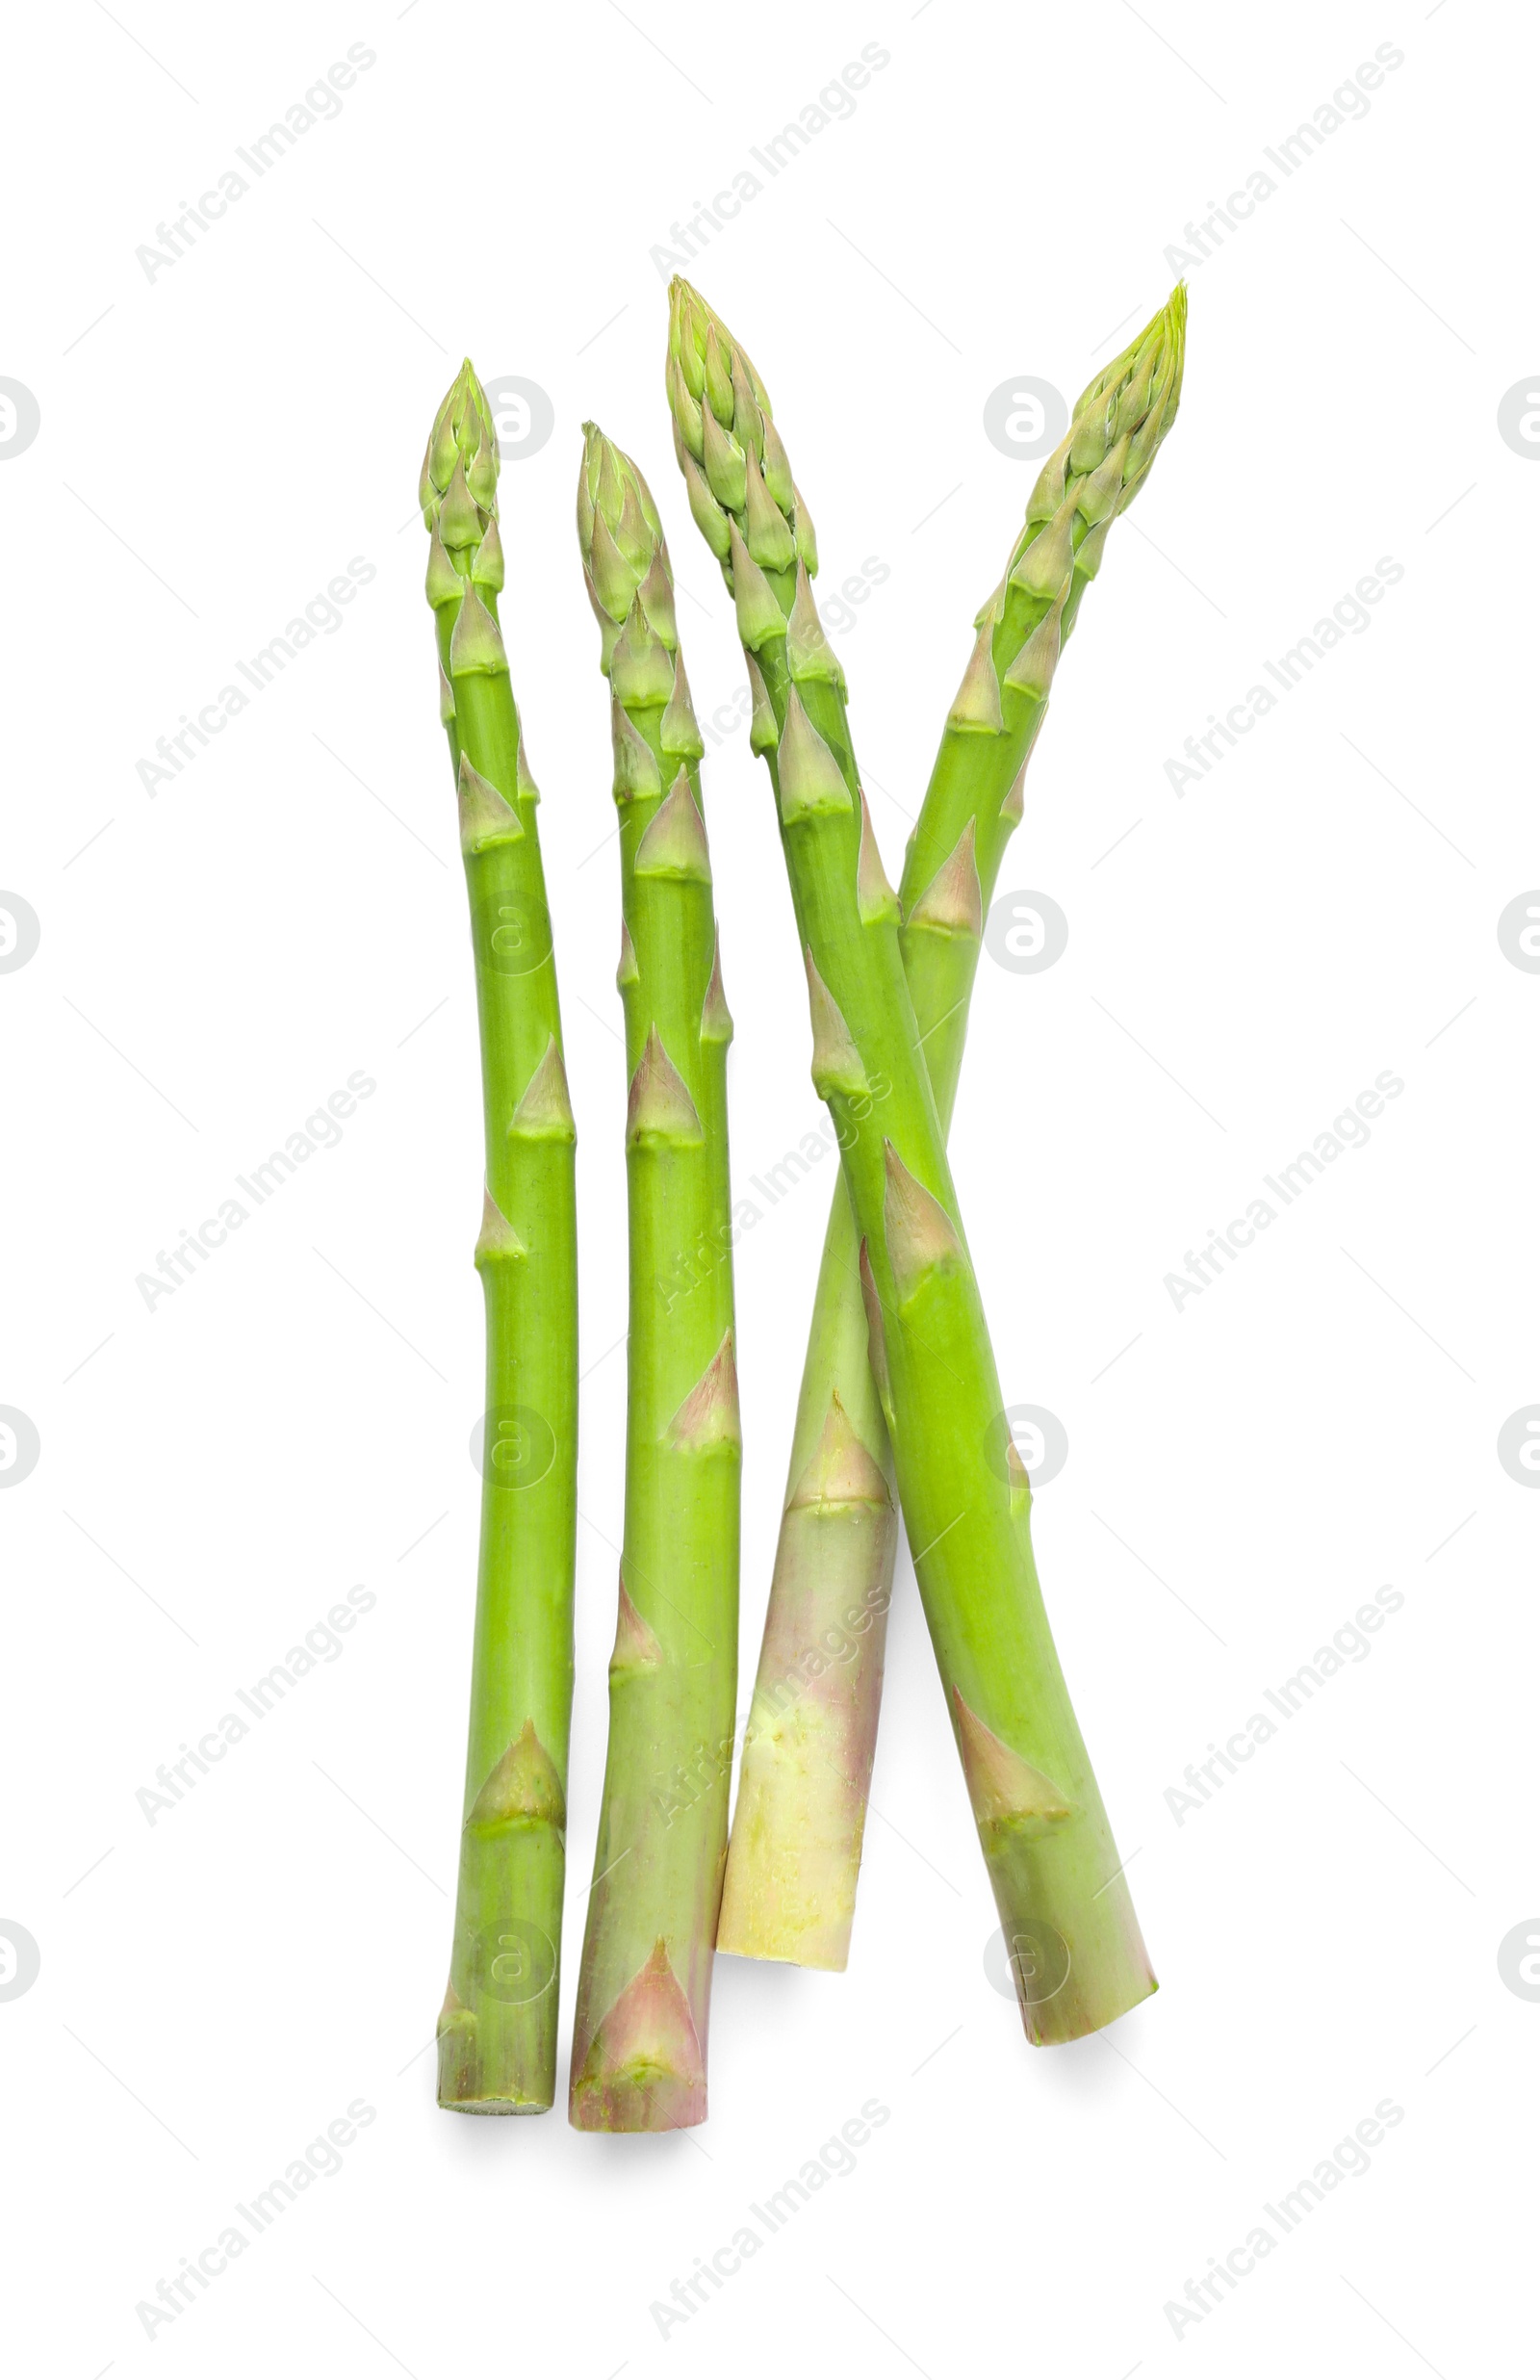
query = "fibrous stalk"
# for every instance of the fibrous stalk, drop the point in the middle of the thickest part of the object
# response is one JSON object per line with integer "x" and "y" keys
{"x": 639, "y": 2042}
{"x": 497, "y": 2034}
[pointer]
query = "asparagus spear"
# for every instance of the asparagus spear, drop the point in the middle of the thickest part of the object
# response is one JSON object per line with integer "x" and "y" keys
{"x": 795, "y": 1848}
{"x": 1076, "y": 1952}
{"x": 496, "y": 2036}
{"x": 639, "y": 2041}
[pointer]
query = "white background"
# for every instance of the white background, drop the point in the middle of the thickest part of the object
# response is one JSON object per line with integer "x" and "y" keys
{"x": 215, "y": 443}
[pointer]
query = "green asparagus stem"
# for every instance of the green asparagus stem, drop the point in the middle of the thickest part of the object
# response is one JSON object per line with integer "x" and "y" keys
{"x": 496, "y": 2036}
{"x": 1075, "y": 1946}
{"x": 795, "y": 1850}
{"x": 639, "y": 2041}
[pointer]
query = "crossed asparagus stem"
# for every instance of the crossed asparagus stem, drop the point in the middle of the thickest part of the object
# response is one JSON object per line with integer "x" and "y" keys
{"x": 1075, "y": 1948}
{"x": 795, "y": 1850}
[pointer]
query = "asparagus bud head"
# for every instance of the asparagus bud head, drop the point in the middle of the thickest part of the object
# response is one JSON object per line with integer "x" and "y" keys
{"x": 463, "y": 444}
{"x": 734, "y": 465}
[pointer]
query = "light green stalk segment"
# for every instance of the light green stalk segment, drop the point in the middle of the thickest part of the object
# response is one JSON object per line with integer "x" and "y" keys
{"x": 496, "y": 2036}
{"x": 1075, "y": 1947}
{"x": 639, "y": 2040}
{"x": 795, "y": 1850}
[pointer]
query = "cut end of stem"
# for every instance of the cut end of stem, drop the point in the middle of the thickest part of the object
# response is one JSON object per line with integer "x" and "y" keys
{"x": 493, "y": 2072}
{"x": 644, "y": 2070}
